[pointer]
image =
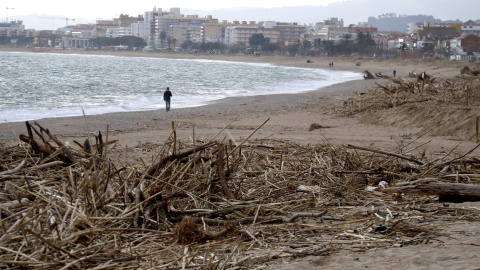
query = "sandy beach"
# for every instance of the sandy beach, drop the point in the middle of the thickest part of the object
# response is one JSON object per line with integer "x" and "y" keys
{"x": 289, "y": 117}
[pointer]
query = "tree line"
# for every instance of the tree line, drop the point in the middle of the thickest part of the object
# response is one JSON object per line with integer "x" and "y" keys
{"x": 20, "y": 41}
{"x": 130, "y": 41}
{"x": 361, "y": 44}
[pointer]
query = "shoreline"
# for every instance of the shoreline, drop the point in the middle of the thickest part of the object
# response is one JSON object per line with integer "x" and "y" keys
{"x": 290, "y": 115}
{"x": 146, "y": 95}
{"x": 288, "y": 118}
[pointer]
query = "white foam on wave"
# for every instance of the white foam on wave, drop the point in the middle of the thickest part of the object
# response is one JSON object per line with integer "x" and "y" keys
{"x": 156, "y": 102}
{"x": 192, "y": 86}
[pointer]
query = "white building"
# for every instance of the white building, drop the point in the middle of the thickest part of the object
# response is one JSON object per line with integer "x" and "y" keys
{"x": 15, "y": 29}
{"x": 114, "y": 32}
{"x": 166, "y": 22}
{"x": 412, "y": 27}
{"x": 12, "y": 26}
{"x": 330, "y": 29}
{"x": 183, "y": 33}
{"x": 241, "y": 34}
{"x": 146, "y": 29}
{"x": 471, "y": 29}
{"x": 75, "y": 42}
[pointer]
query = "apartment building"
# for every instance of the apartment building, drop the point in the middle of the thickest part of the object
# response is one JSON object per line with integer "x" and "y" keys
{"x": 240, "y": 33}
{"x": 165, "y": 24}
{"x": 470, "y": 29}
{"x": 146, "y": 29}
{"x": 183, "y": 33}
{"x": 126, "y": 21}
{"x": 75, "y": 42}
{"x": 114, "y": 32}
{"x": 101, "y": 27}
{"x": 276, "y": 32}
{"x": 330, "y": 29}
{"x": 15, "y": 29}
{"x": 141, "y": 30}
{"x": 290, "y": 32}
{"x": 214, "y": 31}
{"x": 353, "y": 29}
{"x": 436, "y": 33}
{"x": 465, "y": 44}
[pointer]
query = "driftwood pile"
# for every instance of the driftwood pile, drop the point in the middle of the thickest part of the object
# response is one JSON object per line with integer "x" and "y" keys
{"x": 468, "y": 71}
{"x": 368, "y": 75}
{"x": 213, "y": 204}
{"x": 462, "y": 90}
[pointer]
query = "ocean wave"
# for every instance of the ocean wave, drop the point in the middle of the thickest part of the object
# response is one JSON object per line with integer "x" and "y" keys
{"x": 39, "y": 86}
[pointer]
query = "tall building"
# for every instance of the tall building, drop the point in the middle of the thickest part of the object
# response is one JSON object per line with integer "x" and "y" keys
{"x": 330, "y": 29}
{"x": 290, "y": 32}
{"x": 240, "y": 34}
{"x": 101, "y": 27}
{"x": 126, "y": 20}
{"x": 215, "y": 31}
{"x": 15, "y": 29}
{"x": 183, "y": 33}
{"x": 276, "y": 32}
{"x": 146, "y": 28}
{"x": 165, "y": 23}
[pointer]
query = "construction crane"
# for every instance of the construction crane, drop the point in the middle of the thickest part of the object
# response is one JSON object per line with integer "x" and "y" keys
{"x": 7, "y": 14}
{"x": 59, "y": 18}
{"x": 66, "y": 21}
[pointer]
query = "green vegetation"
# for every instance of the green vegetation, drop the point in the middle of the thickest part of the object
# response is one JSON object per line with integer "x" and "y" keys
{"x": 24, "y": 41}
{"x": 21, "y": 41}
{"x": 5, "y": 40}
{"x": 129, "y": 41}
{"x": 258, "y": 41}
{"x": 350, "y": 44}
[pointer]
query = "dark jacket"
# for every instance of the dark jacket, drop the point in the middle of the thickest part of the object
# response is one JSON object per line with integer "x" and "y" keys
{"x": 167, "y": 95}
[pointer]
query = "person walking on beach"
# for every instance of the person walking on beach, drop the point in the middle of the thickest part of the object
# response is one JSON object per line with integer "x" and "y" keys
{"x": 394, "y": 73}
{"x": 166, "y": 96}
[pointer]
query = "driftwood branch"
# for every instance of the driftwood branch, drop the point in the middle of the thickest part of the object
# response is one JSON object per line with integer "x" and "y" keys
{"x": 446, "y": 191}
{"x": 153, "y": 169}
{"x": 65, "y": 150}
{"x": 221, "y": 175}
{"x": 386, "y": 153}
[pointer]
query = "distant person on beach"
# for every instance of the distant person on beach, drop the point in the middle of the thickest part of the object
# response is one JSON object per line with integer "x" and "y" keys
{"x": 394, "y": 73}
{"x": 166, "y": 96}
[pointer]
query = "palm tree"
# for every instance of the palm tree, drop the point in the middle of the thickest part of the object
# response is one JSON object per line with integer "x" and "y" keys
{"x": 163, "y": 36}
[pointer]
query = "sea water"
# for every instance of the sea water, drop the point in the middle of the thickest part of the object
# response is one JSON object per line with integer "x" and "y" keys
{"x": 46, "y": 85}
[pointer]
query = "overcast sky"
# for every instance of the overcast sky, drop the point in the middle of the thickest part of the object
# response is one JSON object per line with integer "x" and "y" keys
{"x": 52, "y": 14}
{"x": 108, "y": 9}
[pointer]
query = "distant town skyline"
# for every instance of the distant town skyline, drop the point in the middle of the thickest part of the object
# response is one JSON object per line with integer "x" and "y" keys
{"x": 91, "y": 9}
{"x": 51, "y": 15}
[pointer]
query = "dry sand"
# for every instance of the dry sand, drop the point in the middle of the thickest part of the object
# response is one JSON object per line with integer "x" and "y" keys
{"x": 290, "y": 118}
{"x": 290, "y": 114}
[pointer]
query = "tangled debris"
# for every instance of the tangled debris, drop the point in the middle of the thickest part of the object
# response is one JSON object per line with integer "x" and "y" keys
{"x": 315, "y": 126}
{"x": 368, "y": 75}
{"x": 468, "y": 71}
{"x": 420, "y": 96}
{"x": 213, "y": 204}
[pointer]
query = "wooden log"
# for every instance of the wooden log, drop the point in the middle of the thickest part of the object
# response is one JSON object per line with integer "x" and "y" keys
{"x": 153, "y": 169}
{"x": 32, "y": 141}
{"x": 450, "y": 192}
{"x": 221, "y": 175}
{"x": 477, "y": 127}
{"x": 64, "y": 148}
{"x": 385, "y": 153}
